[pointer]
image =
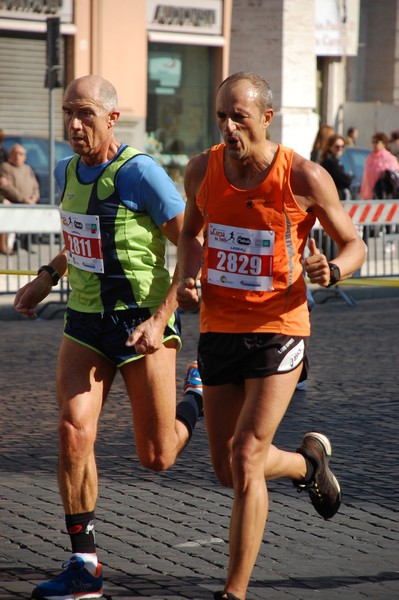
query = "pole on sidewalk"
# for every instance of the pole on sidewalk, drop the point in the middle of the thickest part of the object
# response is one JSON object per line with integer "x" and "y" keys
{"x": 53, "y": 80}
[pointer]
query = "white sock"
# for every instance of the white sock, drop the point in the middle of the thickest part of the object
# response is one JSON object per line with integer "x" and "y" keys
{"x": 91, "y": 561}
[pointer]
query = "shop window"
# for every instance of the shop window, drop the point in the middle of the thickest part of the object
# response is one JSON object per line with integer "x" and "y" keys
{"x": 179, "y": 111}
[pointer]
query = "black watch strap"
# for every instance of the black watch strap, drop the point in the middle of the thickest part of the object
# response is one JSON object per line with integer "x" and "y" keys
{"x": 52, "y": 272}
{"x": 335, "y": 274}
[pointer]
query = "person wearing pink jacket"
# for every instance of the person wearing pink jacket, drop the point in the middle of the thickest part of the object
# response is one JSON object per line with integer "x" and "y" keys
{"x": 376, "y": 164}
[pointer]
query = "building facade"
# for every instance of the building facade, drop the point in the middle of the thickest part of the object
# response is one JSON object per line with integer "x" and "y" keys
{"x": 327, "y": 61}
{"x": 165, "y": 58}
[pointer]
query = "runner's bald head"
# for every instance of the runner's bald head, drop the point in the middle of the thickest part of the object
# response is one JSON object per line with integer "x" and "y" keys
{"x": 96, "y": 87}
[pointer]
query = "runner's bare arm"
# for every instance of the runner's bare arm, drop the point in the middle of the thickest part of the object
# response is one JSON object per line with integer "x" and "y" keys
{"x": 190, "y": 246}
{"x": 315, "y": 192}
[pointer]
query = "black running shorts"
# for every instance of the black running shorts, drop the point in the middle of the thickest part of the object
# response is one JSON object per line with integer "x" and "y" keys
{"x": 107, "y": 333}
{"x": 234, "y": 357}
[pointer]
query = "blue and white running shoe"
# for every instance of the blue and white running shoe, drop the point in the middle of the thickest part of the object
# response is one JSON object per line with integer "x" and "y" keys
{"x": 192, "y": 381}
{"x": 74, "y": 583}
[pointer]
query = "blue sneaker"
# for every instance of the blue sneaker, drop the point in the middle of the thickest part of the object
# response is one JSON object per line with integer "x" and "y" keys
{"x": 192, "y": 381}
{"x": 302, "y": 386}
{"x": 74, "y": 583}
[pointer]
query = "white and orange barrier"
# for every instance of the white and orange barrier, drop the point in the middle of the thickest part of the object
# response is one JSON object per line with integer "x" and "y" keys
{"x": 373, "y": 212}
{"x": 378, "y": 223}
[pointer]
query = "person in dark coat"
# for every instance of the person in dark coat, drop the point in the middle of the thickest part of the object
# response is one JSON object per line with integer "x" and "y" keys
{"x": 331, "y": 161}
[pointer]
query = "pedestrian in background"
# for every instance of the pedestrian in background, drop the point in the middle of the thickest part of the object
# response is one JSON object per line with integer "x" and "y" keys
{"x": 352, "y": 133}
{"x": 118, "y": 208}
{"x": 393, "y": 144}
{"x": 251, "y": 204}
{"x": 320, "y": 141}
{"x": 330, "y": 160}
{"x": 377, "y": 162}
{"x": 3, "y": 151}
{"x": 18, "y": 185}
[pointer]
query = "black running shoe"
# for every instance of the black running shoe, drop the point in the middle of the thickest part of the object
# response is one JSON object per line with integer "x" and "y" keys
{"x": 224, "y": 596}
{"x": 323, "y": 489}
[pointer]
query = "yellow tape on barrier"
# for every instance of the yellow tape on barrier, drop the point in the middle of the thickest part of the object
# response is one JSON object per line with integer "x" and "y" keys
{"x": 371, "y": 281}
{"x": 12, "y": 272}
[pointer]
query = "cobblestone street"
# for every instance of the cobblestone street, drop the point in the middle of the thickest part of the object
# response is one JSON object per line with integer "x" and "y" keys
{"x": 164, "y": 536}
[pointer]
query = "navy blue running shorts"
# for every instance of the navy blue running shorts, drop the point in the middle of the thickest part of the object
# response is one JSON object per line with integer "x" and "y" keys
{"x": 234, "y": 357}
{"x": 107, "y": 333}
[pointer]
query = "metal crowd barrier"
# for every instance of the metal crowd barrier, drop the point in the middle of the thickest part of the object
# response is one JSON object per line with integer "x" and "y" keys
{"x": 377, "y": 222}
{"x": 38, "y": 239}
{"x": 37, "y": 233}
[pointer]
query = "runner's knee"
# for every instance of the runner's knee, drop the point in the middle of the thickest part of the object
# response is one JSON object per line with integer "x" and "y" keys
{"x": 156, "y": 460}
{"x": 222, "y": 467}
{"x": 75, "y": 439}
{"x": 247, "y": 464}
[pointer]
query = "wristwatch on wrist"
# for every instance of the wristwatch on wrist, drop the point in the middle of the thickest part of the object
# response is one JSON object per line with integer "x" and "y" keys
{"x": 335, "y": 274}
{"x": 51, "y": 271}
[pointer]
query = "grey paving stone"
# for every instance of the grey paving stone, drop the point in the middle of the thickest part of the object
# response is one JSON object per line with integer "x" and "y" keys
{"x": 165, "y": 536}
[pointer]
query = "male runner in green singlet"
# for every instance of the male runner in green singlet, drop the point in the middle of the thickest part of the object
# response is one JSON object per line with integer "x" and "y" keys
{"x": 118, "y": 207}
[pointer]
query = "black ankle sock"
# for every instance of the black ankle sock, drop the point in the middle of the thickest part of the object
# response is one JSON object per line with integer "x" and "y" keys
{"x": 80, "y": 528}
{"x": 188, "y": 410}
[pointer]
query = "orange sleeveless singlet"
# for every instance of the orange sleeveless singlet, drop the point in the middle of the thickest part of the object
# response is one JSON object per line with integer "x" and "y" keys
{"x": 252, "y": 275}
